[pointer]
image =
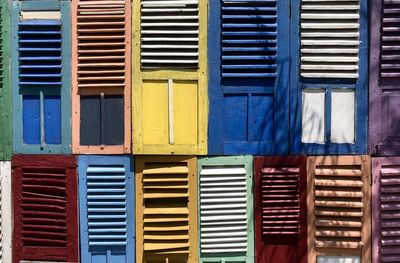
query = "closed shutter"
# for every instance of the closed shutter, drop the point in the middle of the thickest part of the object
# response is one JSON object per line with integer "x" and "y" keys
{"x": 45, "y": 208}
{"x": 280, "y": 209}
{"x": 225, "y": 207}
{"x": 339, "y": 188}
{"x": 5, "y": 212}
{"x": 384, "y": 78}
{"x": 167, "y": 209}
{"x": 107, "y": 223}
{"x": 101, "y": 76}
{"x": 249, "y": 60}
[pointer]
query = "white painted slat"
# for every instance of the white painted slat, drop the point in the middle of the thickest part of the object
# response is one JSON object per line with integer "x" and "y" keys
{"x": 223, "y": 209}
{"x": 313, "y": 116}
{"x": 169, "y": 34}
{"x": 343, "y": 116}
{"x": 330, "y": 39}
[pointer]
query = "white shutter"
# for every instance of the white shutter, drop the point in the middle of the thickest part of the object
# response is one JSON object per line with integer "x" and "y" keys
{"x": 330, "y": 38}
{"x": 223, "y": 216}
{"x": 169, "y": 33}
{"x": 5, "y": 212}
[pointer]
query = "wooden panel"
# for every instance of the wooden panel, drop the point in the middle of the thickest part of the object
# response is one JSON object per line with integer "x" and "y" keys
{"x": 225, "y": 209}
{"x": 170, "y": 73}
{"x": 343, "y": 116}
{"x": 101, "y": 67}
{"x": 45, "y": 208}
{"x": 6, "y": 212}
{"x": 107, "y": 223}
{"x": 166, "y": 204}
{"x": 313, "y": 117}
{"x": 338, "y": 197}
{"x": 280, "y": 209}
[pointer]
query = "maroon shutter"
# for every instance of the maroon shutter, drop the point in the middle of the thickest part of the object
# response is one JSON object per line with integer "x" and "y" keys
{"x": 280, "y": 209}
{"x": 45, "y": 208}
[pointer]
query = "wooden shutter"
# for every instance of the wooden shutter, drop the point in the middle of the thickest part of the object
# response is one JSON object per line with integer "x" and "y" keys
{"x": 280, "y": 209}
{"x": 41, "y": 76}
{"x": 166, "y": 209}
{"x": 45, "y": 208}
{"x": 101, "y": 76}
{"x": 385, "y": 209}
{"x": 107, "y": 208}
{"x": 170, "y": 72}
{"x": 225, "y": 209}
{"x": 249, "y": 50}
{"x": 329, "y": 80}
{"x": 384, "y": 79}
{"x": 339, "y": 205}
{"x": 5, "y": 212}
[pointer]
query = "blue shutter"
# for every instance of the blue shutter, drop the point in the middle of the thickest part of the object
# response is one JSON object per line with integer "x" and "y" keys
{"x": 329, "y": 77}
{"x": 41, "y": 76}
{"x": 106, "y": 196}
{"x": 248, "y": 51}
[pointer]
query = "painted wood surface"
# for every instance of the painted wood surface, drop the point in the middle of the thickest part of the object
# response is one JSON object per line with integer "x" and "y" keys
{"x": 6, "y": 212}
{"x": 225, "y": 209}
{"x": 331, "y": 57}
{"x": 169, "y": 77}
{"x": 101, "y": 77}
{"x": 249, "y": 77}
{"x": 280, "y": 209}
{"x": 339, "y": 208}
{"x": 107, "y": 209}
{"x": 166, "y": 209}
{"x": 44, "y": 189}
{"x": 41, "y": 55}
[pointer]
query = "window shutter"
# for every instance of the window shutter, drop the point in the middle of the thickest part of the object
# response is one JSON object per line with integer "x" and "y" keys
{"x": 384, "y": 79}
{"x": 101, "y": 76}
{"x": 225, "y": 205}
{"x": 166, "y": 203}
{"x": 340, "y": 207}
{"x": 45, "y": 208}
{"x": 41, "y": 76}
{"x": 170, "y": 34}
{"x": 5, "y": 212}
{"x": 280, "y": 209}
{"x": 106, "y": 220}
{"x": 249, "y": 50}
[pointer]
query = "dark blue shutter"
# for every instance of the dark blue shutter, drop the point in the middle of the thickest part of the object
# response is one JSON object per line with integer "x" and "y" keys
{"x": 248, "y": 51}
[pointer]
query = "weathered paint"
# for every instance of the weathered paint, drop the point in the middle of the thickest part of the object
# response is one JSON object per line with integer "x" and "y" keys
{"x": 166, "y": 209}
{"x": 41, "y": 97}
{"x": 6, "y": 212}
{"x": 249, "y": 77}
{"x": 280, "y": 209}
{"x": 331, "y": 56}
{"x": 225, "y": 235}
{"x": 339, "y": 208}
{"x": 384, "y": 98}
{"x": 385, "y": 209}
{"x": 107, "y": 228}
{"x": 170, "y": 82}
{"x": 99, "y": 74}
{"x": 44, "y": 190}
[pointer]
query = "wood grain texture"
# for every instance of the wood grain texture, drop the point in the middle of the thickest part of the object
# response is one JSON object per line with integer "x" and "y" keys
{"x": 6, "y": 211}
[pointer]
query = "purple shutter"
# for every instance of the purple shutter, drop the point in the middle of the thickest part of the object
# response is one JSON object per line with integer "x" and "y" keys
{"x": 384, "y": 118}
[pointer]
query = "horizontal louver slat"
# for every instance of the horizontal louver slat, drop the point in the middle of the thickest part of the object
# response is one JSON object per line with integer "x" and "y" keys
{"x": 106, "y": 205}
{"x": 169, "y": 34}
{"x": 330, "y": 39}
{"x": 248, "y": 39}
{"x": 223, "y": 214}
{"x": 39, "y": 46}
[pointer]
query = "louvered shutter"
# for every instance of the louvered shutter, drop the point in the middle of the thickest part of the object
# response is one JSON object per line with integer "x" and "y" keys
{"x": 45, "y": 208}
{"x": 384, "y": 78}
{"x": 249, "y": 89}
{"x": 330, "y": 79}
{"x": 41, "y": 76}
{"x": 107, "y": 208}
{"x": 170, "y": 72}
{"x": 385, "y": 210}
{"x": 166, "y": 209}
{"x": 101, "y": 76}
{"x": 5, "y": 212}
{"x": 225, "y": 209}
{"x": 339, "y": 205}
{"x": 280, "y": 209}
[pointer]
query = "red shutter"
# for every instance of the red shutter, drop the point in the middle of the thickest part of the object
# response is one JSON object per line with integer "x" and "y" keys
{"x": 45, "y": 208}
{"x": 280, "y": 209}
